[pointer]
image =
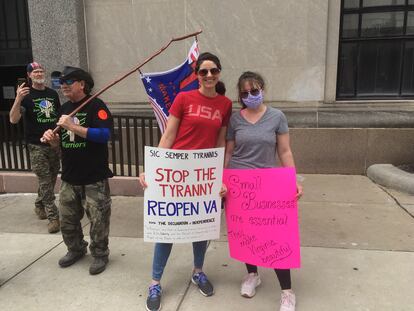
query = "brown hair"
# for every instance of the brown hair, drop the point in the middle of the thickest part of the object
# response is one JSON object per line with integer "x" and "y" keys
{"x": 207, "y": 56}
{"x": 253, "y": 78}
{"x": 221, "y": 88}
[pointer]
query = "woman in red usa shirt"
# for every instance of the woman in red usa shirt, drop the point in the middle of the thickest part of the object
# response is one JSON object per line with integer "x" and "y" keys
{"x": 198, "y": 120}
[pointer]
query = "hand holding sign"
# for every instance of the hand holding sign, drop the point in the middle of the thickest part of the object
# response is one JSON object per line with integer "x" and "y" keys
{"x": 142, "y": 181}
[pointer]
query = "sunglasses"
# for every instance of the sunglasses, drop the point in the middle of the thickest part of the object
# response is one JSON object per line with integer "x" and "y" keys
{"x": 68, "y": 82}
{"x": 213, "y": 71}
{"x": 253, "y": 92}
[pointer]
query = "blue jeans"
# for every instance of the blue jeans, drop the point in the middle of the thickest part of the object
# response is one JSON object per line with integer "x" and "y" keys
{"x": 162, "y": 252}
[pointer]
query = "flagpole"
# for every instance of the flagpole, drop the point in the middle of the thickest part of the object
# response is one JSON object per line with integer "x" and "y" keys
{"x": 129, "y": 73}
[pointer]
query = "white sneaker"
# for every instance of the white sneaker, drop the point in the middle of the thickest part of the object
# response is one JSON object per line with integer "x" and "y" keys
{"x": 287, "y": 300}
{"x": 249, "y": 284}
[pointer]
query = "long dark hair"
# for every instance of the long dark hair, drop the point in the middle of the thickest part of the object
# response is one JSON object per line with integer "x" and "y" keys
{"x": 221, "y": 88}
{"x": 253, "y": 78}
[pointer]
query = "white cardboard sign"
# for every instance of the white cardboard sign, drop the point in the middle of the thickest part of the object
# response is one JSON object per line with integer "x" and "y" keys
{"x": 182, "y": 202}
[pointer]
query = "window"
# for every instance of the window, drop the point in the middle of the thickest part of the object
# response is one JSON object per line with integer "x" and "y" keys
{"x": 379, "y": 68}
{"x": 376, "y": 49}
{"x": 382, "y": 24}
{"x": 351, "y": 4}
{"x": 368, "y": 3}
{"x": 408, "y": 74}
{"x": 15, "y": 41}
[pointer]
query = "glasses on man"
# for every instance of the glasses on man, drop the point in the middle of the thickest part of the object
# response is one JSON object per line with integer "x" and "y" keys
{"x": 213, "y": 71}
{"x": 68, "y": 81}
{"x": 253, "y": 92}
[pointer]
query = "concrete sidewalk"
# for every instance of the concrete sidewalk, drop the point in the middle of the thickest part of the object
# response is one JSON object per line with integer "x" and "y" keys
{"x": 357, "y": 254}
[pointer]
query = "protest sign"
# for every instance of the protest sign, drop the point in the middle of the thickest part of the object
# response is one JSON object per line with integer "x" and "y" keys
{"x": 262, "y": 217}
{"x": 182, "y": 202}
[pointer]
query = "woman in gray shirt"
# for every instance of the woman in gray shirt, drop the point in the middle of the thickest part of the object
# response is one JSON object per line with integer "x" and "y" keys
{"x": 254, "y": 135}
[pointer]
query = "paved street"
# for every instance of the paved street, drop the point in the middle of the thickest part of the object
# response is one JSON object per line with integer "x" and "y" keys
{"x": 357, "y": 254}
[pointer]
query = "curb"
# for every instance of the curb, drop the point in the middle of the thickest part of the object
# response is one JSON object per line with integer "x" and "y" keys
{"x": 392, "y": 177}
{"x": 27, "y": 183}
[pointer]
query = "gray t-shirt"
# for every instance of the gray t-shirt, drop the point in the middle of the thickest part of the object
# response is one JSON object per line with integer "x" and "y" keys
{"x": 255, "y": 144}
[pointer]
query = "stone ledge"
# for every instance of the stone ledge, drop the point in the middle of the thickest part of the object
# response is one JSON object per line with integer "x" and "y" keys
{"x": 392, "y": 177}
{"x": 27, "y": 183}
{"x": 362, "y": 114}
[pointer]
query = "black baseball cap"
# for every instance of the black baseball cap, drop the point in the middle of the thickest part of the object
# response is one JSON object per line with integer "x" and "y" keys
{"x": 76, "y": 73}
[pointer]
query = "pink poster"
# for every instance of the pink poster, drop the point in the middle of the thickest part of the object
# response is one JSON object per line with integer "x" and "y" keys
{"x": 262, "y": 217}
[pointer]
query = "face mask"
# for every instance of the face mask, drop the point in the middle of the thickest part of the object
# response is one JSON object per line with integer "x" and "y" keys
{"x": 253, "y": 101}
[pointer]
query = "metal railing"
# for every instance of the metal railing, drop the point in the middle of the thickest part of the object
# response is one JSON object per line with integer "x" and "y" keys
{"x": 130, "y": 135}
{"x": 14, "y": 155}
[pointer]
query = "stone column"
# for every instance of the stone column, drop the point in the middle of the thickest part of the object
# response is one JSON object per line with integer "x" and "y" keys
{"x": 58, "y": 33}
{"x": 334, "y": 16}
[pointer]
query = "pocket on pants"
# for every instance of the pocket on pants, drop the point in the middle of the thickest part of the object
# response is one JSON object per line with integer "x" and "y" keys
{"x": 98, "y": 195}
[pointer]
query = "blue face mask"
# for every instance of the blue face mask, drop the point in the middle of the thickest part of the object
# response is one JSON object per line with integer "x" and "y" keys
{"x": 253, "y": 101}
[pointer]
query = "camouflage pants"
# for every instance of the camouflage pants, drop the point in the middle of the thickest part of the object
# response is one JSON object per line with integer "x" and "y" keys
{"x": 95, "y": 200}
{"x": 45, "y": 164}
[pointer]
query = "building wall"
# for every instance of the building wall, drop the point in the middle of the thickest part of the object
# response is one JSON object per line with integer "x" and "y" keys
{"x": 283, "y": 40}
{"x": 58, "y": 33}
{"x": 294, "y": 44}
{"x": 350, "y": 150}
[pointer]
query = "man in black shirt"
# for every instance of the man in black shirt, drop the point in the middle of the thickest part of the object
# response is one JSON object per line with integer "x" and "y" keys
{"x": 40, "y": 104}
{"x": 85, "y": 171}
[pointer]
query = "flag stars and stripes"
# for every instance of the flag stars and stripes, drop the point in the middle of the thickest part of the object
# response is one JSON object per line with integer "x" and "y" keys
{"x": 163, "y": 87}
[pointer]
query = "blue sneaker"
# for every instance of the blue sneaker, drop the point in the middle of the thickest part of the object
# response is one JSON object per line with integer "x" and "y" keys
{"x": 204, "y": 285}
{"x": 154, "y": 298}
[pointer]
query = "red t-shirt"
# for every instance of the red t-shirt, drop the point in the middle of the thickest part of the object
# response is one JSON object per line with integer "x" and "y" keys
{"x": 201, "y": 118}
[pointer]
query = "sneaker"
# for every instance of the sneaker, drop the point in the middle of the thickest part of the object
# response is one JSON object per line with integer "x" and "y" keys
{"x": 98, "y": 265}
{"x": 40, "y": 212}
{"x": 287, "y": 301}
{"x": 154, "y": 298}
{"x": 249, "y": 284}
{"x": 204, "y": 285}
{"x": 53, "y": 226}
{"x": 70, "y": 258}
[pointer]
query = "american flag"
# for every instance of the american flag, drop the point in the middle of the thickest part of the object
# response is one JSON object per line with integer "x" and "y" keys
{"x": 163, "y": 87}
